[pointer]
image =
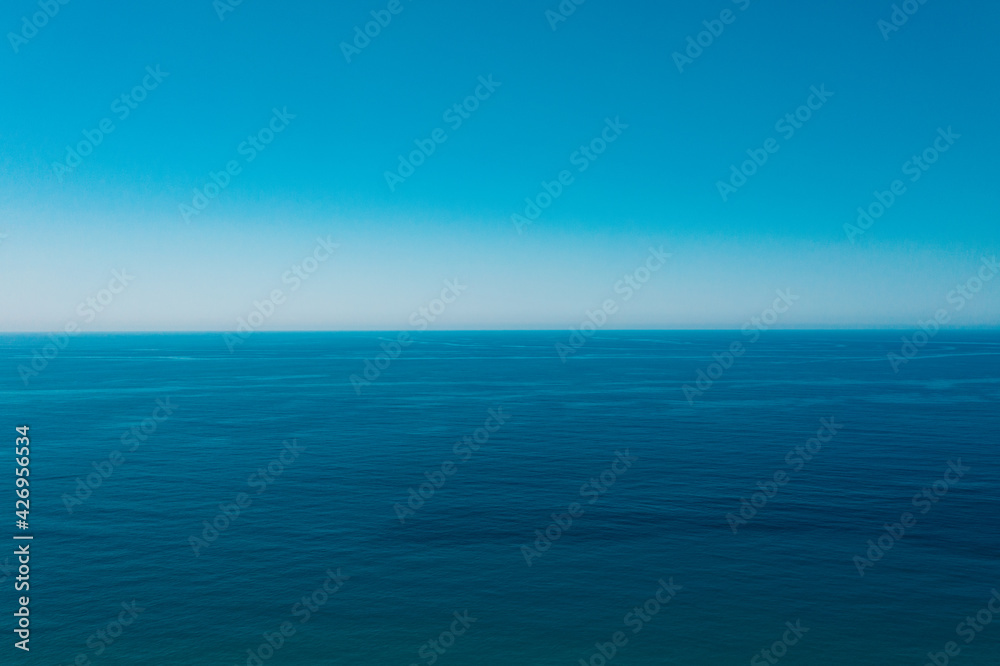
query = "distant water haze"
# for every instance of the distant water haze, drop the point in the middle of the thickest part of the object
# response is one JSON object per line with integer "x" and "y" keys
{"x": 335, "y": 277}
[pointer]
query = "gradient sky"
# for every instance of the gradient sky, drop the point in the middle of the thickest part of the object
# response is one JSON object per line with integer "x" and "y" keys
{"x": 656, "y": 185}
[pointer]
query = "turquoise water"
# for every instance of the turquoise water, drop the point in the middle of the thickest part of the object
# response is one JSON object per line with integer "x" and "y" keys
{"x": 510, "y": 435}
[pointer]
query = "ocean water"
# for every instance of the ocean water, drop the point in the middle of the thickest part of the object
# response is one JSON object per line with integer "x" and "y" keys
{"x": 125, "y": 517}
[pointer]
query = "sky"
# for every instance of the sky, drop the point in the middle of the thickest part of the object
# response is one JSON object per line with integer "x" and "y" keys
{"x": 210, "y": 154}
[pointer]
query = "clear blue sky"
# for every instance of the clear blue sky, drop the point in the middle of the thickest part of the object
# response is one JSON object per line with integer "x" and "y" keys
{"x": 656, "y": 184}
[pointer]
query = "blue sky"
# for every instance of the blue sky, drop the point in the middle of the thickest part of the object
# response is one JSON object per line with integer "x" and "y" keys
{"x": 551, "y": 92}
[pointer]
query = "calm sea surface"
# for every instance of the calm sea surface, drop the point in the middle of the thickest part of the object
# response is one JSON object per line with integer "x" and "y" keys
{"x": 480, "y": 501}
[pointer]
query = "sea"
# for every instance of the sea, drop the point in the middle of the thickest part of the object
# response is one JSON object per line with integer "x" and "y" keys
{"x": 496, "y": 498}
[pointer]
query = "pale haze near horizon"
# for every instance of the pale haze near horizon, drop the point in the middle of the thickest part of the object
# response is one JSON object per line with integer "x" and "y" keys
{"x": 551, "y": 281}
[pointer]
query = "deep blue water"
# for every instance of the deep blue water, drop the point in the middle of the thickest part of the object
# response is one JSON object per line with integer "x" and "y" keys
{"x": 620, "y": 395}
